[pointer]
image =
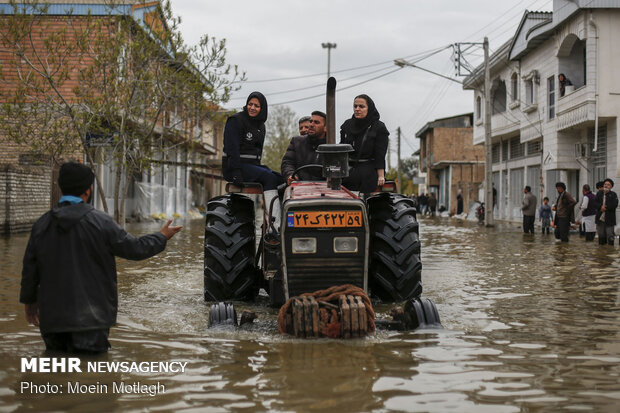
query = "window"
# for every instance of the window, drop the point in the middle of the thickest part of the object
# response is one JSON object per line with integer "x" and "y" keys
{"x": 498, "y": 96}
{"x": 505, "y": 151}
{"x": 517, "y": 149}
{"x": 572, "y": 62}
{"x": 478, "y": 107}
{"x": 551, "y": 96}
{"x": 495, "y": 153}
{"x": 514, "y": 87}
{"x": 529, "y": 91}
{"x": 534, "y": 147}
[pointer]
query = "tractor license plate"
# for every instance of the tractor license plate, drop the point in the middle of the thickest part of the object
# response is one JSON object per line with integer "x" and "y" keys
{"x": 323, "y": 219}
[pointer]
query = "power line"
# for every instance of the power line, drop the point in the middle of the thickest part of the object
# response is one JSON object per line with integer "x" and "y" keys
{"x": 339, "y": 71}
{"x": 339, "y": 89}
{"x": 421, "y": 56}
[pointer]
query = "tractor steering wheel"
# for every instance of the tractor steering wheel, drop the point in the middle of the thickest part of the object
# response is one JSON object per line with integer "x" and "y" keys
{"x": 311, "y": 165}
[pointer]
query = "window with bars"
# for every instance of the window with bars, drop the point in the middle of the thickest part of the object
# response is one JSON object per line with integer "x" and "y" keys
{"x": 505, "y": 151}
{"x": 517, "y": 149}
{"x": 495, "y": 153}
{"x": 534, "y": 147}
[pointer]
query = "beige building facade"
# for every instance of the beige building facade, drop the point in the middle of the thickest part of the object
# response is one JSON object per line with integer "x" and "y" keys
{"x": 544, "y": 132}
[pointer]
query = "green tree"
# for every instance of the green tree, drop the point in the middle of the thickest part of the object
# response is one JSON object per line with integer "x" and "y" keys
{"x": 134, "y": 84}
{"x": 281, "y": 127}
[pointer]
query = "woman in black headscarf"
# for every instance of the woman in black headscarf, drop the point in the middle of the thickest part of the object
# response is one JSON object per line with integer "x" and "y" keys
{"x": 369, "y": 138}
{"x": 244, "y": 136}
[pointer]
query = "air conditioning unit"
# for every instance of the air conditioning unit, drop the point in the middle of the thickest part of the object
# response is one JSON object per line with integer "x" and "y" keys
{"x": 582, "y": 150}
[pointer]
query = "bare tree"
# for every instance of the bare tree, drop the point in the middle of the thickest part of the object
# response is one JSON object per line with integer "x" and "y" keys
{"x": 281, "y": 127}
{"x": 133, "y": 85}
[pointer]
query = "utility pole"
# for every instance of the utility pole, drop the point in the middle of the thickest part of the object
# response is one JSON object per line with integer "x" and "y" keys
{"x": 329, "y": 47}
{"x": 488, "y": 173}
{"x": 398, "y": 165}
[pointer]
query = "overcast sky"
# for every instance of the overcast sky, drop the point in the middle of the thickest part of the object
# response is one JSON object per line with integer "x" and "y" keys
{"x": 279, "y": 39}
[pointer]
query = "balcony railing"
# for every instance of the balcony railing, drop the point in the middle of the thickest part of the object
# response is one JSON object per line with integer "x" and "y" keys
{"x": 576, "y": 108}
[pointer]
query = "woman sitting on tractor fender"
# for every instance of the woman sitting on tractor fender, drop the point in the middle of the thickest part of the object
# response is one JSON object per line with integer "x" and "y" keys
{"x": 369, "y": 138}
{"x": 244, "y": 136}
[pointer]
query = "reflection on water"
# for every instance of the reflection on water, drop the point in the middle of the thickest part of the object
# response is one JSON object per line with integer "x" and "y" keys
{"x": 530, "y": 325}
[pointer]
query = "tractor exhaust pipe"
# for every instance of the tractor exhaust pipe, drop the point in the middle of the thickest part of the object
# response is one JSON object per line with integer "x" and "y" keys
{"x": 330, "y": 107}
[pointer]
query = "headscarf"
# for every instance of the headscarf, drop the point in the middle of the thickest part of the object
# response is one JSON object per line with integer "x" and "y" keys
{"x": 356, "y": 126}
{"x": 262, "y": 115}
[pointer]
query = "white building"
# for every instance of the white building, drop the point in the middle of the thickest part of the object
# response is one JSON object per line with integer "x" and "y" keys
{"x": 539, "y": 135}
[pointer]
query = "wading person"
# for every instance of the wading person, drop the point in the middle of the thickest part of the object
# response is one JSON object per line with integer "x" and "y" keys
{"x": 302, "y": 151}
{"x": 69, "y": 271}
{"x": 529, "y": 210}
{"x": 432, "y": 204}
{"x": 244, "y": 136}
{"x": 304, "y": 125}
{"x": 564, "y": 212}
{"x": 588, "y": 211}
{"x": 607, "y": 202}
{"x": 545, "y": 214}
{"x": 369, "y": 138}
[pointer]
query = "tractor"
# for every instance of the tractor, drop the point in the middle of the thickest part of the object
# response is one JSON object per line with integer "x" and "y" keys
{"x": 326, "y": 236}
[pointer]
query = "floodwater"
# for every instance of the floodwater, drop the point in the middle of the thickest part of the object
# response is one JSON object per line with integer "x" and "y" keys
{"x": 529, "y": 325}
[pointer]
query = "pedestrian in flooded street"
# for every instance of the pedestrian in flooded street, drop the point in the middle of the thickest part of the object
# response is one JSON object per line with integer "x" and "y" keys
{"x": 564, "y": 212}
{"x": 432, "y": 204}
{"x": 69, "y": 284}
{"x": 545, "y": 214}
{"x": 529, "y": 210}
{"x": 588, "y": 210}
{"x": 607, "y": 202}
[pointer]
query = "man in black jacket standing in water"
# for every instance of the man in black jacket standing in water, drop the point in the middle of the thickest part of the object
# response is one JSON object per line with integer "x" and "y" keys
{"x": 69, "y": 271}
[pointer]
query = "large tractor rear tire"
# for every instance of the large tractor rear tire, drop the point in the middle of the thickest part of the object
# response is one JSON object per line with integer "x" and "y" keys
{"x": 395, "y": 266}
{"x": 229, "y": 272}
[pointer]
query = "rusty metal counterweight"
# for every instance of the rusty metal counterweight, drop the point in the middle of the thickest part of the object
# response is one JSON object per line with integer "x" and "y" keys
{"x": 343, "y": 311}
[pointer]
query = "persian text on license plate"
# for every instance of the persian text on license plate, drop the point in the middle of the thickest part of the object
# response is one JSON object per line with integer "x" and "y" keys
{"x": 315, "y": 219}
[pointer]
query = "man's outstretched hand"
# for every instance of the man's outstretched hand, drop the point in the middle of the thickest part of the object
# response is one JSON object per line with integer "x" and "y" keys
{"x": 169, "y": 231}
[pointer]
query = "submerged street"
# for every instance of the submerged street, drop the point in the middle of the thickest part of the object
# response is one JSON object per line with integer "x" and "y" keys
{"x": 529, "y": 325}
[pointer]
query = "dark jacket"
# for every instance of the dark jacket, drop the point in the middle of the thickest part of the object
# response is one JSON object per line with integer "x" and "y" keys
{"x": 302, "y": 151}
{"x": 591, "y": 209}
{"x": 611, "y": 203}
{"x": 375, "y": 144}
{"x": 564, "y": 207}
{"x": 545, "y": 211}
{"x": 69, "y": 268}
{"x": 244, "y": 136}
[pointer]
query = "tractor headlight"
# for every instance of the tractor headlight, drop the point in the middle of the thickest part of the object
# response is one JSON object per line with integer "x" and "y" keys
{"x": 345, "y": 244}
{"x": 304, "y": 245}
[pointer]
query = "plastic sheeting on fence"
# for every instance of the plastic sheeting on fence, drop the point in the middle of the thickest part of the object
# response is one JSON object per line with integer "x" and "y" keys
{"x": 161, "y": 202}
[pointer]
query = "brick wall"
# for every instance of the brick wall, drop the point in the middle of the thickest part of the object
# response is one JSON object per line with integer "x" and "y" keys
{"x": 24, "y": 196}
